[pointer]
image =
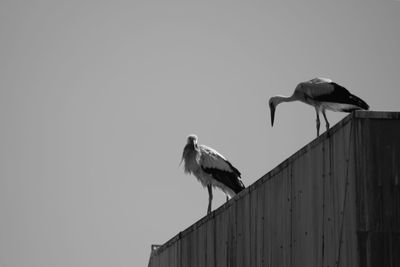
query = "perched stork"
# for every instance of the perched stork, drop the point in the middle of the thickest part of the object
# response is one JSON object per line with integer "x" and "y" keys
{"x": 322, "y": 94}
{"x": 211, "y": 169}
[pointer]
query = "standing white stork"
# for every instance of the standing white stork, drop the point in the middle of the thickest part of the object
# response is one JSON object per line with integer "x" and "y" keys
{"x": 322, "y": 94}
{"x": 211, "y": 169}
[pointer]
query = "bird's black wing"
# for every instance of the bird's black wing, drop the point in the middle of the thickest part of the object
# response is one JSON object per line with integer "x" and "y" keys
{"x": 333, "y": 93}
{"x": 341, "y": 95}
{"x": 220, "y": 169}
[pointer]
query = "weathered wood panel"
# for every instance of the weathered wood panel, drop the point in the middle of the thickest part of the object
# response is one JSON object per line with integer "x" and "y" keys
{"x": 307, "y": 207}
{"x": 222, "y": 239}
{"x": 210, "y": 243}
{"x": 336, "y": 202}
{"x": 378, "y": 191}
{"x": 260, "y": 225}
{"x": 253, "y": 228}
{"x": 277, "y": 219}
{"x": 247, "y": 232}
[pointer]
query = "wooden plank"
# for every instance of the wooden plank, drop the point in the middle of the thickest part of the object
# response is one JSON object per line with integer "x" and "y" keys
{"x": 156, "y": 261}
{"x": 269, "y": 215}
{"x": 340, "y": 245}
{"x": 385, "y": 198}
{"x": 348, "y": 249}
{"x": 285, "y": 233}
{"x": 378, "y": 191}
{"x": 253, "y": 228}
{"x": 260, "y": 225}
{"x": 171, "y": 255}
{"x": 186, "y": 250}
{"x": 378, "y": 184}
{"x": 247, "y": 231}
{"x": 178, "y": 261}
{"x": 308, "y": 201}
{"x": 379, "y": 249}
{"x": 240, "y": 219}
{"x": 277, "y": 223}
{"x": 163, "y": 259}
{"x": 194, "y": 251}
{"x": 201, "y": 249}
{"x": 329, "y": 237}
{"x": 334, "y": 184}
{"x": 232, "y": 235}
{"x": 221, "y": 237}
{"x": 210, "y": 243}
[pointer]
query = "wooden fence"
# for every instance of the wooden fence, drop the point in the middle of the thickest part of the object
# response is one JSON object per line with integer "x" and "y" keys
{"x": 335, "y": 202}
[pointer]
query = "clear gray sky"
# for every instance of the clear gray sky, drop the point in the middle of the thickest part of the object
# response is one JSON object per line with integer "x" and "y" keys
{"x": 97, "y": 98}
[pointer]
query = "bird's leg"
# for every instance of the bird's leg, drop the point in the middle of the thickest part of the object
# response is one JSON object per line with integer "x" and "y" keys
{"x": 318, "y": 122}
{"x": 227, "y": 198}
{"x": 210, "y": 197}
{"x": 326, "y": 120}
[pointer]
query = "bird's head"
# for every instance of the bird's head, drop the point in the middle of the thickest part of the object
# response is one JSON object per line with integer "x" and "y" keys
{"x": 190, "y": 145}
{"x": 192, "y": 139}
{"x": 272, "y": 106}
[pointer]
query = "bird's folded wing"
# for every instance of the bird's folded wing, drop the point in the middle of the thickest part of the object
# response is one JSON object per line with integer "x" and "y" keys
{"x": 210, "y": 158}
{"x": 220, "y": 169}
{"x": 332, "y": 92}
{"x": 324, "y": 90}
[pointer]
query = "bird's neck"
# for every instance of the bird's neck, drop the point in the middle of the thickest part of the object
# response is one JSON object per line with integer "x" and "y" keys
{"x": 280, "y": 98}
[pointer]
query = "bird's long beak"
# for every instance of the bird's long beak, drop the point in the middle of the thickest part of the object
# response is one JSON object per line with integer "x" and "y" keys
{"x": 272, "y": 108}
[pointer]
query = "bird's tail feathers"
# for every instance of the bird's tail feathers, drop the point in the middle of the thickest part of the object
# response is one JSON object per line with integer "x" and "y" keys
{"x": 241, "y": 186}
{"x": 238, "y": 186}
{"x": 236, "y": 171}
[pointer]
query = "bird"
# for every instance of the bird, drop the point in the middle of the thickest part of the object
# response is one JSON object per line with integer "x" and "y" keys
{"x": 211, "y": 169}
{"x": 323, "y": 94}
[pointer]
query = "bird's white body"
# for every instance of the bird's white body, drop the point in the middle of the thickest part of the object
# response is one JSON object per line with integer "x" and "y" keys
{"x": 207, "y": 156}
{"x": 335, "y": 106}
{"x": 211, "y": 169}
